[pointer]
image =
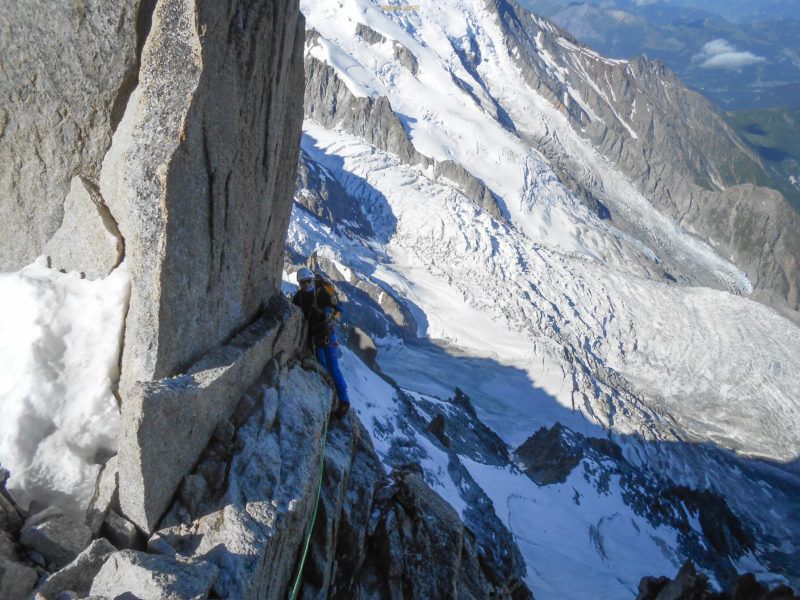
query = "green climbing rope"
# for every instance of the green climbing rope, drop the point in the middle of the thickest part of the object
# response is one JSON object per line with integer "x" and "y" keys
{"x": 296, "y": 585}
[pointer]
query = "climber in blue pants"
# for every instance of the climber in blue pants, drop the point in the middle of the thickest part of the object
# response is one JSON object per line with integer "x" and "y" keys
{"x": 320, "y": 307}
{"x": 328, "y": 357}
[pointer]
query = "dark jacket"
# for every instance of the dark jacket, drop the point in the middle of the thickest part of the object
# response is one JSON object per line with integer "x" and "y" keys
{"x": 317, "y": 306}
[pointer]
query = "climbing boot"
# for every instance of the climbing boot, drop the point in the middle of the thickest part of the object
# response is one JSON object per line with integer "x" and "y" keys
{"x": 342, "y": 409}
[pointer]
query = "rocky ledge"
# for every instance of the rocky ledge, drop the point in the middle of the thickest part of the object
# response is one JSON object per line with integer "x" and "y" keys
{"x": 689, "y": 585}
{"x": 236, "y": 521}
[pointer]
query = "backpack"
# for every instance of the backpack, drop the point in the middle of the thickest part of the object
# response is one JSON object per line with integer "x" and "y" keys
{"x": 322, "y": 283}
{"x": 331, "y": 315}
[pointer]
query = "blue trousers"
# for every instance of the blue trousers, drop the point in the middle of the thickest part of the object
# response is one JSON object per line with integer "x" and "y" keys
{"x": 328, "y": 357}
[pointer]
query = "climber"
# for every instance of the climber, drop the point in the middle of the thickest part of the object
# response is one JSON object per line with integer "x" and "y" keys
{"x": 321, "y": 309}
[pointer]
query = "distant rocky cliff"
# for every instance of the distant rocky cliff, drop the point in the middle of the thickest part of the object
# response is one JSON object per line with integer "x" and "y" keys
{"x": 672, "y": 143}
{"x": 329, "y": 101}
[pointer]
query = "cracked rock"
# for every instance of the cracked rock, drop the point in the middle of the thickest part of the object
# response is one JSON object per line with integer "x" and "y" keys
{"x": 57, "y": 537}
{"x": 88, "y": 240}
{"x": 77, "y": 576}
{"x": 154, "y": 577}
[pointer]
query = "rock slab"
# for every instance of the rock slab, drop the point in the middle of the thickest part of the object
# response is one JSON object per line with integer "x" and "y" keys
{"x": 153, "y": 577}
{"x": 77, "y": 576}
{"x": 200, "y": 176}
{"x": 106, "y": 496}
{"x": 58, "y": 537}
{"x": 167, "y": 424}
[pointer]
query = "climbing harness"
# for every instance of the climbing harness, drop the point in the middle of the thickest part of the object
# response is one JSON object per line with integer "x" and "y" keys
{"x": 296, "y": 585}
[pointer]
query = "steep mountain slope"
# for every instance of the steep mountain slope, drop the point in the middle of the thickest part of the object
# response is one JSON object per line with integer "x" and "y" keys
{"x": 672, "y": 144}
{"x": 775, "y": 135}
{"x": 545, "y": 310}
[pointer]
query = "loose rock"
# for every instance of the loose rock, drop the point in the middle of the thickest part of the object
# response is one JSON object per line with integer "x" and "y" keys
{"x": 154, "y": 577}
{"x": 77, "y": 576}
{"x": 59, "y": 538}
{"x": 16, "y": 580}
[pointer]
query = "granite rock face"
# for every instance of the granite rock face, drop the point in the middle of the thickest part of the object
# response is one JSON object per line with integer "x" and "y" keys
{"x": 329, "y": 101}
{"x": 150, "y": 577}
{"x": 166, "y": 424}
{"x": 368, "y": 34}
{"x": 470, "y": 186}
{"x": 200, "y": 176}
{"x": 373, "y": 535}
{"x": 88, "y": 239}
{"x": 223, "y": 433}
{"x": 201, "y": 101}
{"x": 68, "y": 69}
{"x": 757, "y": 227}
{"x": 406, "y": 58}
{"x": 253, "y": 526}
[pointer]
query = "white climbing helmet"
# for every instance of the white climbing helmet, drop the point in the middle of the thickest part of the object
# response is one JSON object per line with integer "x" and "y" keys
{"x": 304, "y": 273}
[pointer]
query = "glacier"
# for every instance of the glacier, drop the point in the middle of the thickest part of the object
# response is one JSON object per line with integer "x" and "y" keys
{"x": 549, "y": 314}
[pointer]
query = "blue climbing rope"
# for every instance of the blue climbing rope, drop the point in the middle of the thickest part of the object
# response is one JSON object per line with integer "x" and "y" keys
{"x": 296, "y": 585}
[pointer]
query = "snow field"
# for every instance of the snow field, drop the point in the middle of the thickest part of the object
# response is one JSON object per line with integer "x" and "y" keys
{"x": 599, "y": 550}
{"x": 444, "y": 122}
{"x": 60, "y": 340}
